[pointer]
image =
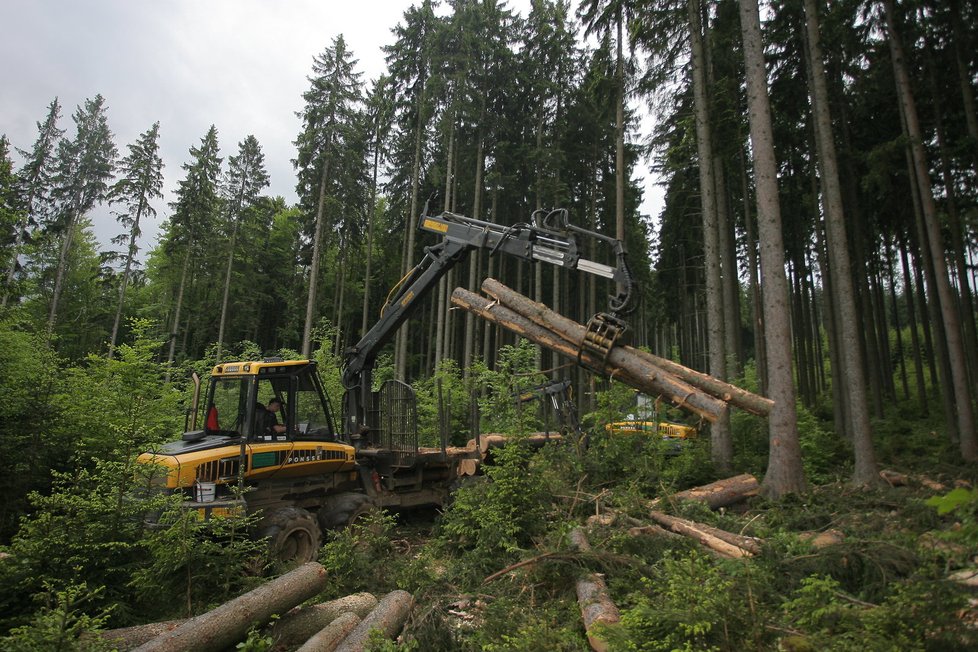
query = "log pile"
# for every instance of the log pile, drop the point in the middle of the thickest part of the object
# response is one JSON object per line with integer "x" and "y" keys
{"x": 697, "y": 392}
{"x": 342, "y": 624}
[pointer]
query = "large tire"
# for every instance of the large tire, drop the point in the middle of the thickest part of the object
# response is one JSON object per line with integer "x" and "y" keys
{"x": 344, "y": 509}
{"x": 293, "y": 535}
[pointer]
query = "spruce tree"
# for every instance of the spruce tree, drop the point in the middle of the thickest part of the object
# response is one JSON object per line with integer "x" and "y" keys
{"x": 194, "y": 215}
{"x": 33, "y": 189}
{"x": 245, "y": 178}
{"x": 84, "y": 169}
{"x": 141, "y": 182}
{"x": 329, "y": 116}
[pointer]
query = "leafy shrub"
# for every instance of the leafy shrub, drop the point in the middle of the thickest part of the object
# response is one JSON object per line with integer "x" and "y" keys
{"x": 360, "y": 557}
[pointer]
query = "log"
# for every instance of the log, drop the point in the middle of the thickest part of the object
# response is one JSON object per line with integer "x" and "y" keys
{"x": 629, "y": 369}
{"x": 301, "y": 624}
{"x": 750, "y": 544}
{"x": 574, "y": 332}
{"x": 577, "y": 538}
{"x": 229, "y": 623}
{"x": 126, "y": 638}
{"x": 819, "y": 540}
{"x": 388, "y": 617}
{"x": 329, "y": 637}
{"x": 652, "y": 531}
{"x": 722, "y": 492}
{"x": 597, "y": 608}
{"x": 708, "y": 536}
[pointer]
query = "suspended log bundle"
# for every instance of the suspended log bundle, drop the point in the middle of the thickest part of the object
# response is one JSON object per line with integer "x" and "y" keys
{"x": 628, "y": 369}
{"x": 699, "y": 393}
{"x": 224, "y": 626}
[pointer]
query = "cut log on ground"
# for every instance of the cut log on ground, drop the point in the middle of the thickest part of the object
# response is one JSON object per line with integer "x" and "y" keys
{"x": 627, "y": 368}
{"x": 597, "y": 609}
{"x": 652, "y": 531}
{"x": 577, "y": 538}
{"x": 819, "y": 540}
{"x": 126, "y": 638}
{"x": 226, "y": 625}
{"x": 727, "y": 544}
{"x": 574, "y": 332}
{"x": 329, "y": 637}
{"x": 388, "y": 617}
{"x": 301, "y": 624}
{"x": 722, "y": 492}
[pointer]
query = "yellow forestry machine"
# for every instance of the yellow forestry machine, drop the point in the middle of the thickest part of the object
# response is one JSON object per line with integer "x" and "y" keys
{"x": 305, "y": 472}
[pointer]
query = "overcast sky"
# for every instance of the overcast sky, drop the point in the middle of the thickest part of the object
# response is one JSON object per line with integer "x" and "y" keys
{"x": 240, "y": 65}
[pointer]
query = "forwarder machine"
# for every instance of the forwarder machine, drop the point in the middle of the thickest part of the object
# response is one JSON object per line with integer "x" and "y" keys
{"x": 314, "y": 474}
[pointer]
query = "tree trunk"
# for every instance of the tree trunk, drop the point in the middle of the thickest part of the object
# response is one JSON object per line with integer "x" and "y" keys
{"x": 317, "y": 247}
{"x": 910, "y": 298}
{"x": 176, "y": 311}
{"x": 388, "y": 617}
{"x": 721, "y": 493}
{"x": 837, "y": 243}
{"x": 949, "y": 309}
{"x": 469, "y": 344}
{"x": 597, "y": 608}
{"x": 227, "y": 291}
{"x": 331, "y": 636}
{"x": 130, "y": 256}
{"x": 785, "y": 473}
{"x": 301, "y": 624}
{"x": 721, "y": 444}
{"x": 224, "y": 626}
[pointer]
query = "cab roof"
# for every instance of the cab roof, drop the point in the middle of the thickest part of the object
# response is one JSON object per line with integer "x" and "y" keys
{"x": 255, "y": 367}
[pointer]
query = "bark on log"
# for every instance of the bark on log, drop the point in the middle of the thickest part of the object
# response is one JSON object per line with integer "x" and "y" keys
{"x": 226, "y": 625}
{"x": 652, "y": 531}
{"x": 702, "y": 534}
{"x": 597, "y": 608}
{"x": 329, "y": 637}
{"x": 627, "y": 368}
{"x": 722, "y": 492}
{"x": 819, "y": 540}
{"x": 577, "y": 538}
{"x": 126, "y": 638}
{"x": 574, "y": 332}
{"x": 749, "y": 544}
{"x": 301, "y": 624}
{"x": 388, "y": 617}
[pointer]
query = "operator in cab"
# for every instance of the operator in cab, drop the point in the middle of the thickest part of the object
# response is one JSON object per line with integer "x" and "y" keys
{"x": 266, "y": 418}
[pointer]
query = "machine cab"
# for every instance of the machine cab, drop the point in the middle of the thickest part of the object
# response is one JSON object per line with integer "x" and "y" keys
{"x": 240, "y": 401}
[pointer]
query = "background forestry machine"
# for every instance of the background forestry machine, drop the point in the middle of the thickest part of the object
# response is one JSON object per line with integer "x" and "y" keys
{"x": 311, "y": 475}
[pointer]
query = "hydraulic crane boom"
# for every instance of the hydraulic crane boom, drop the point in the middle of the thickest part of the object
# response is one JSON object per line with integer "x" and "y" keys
{"x": 550, "y": 238}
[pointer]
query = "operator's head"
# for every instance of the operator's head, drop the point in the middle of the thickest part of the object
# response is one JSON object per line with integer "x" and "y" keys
{"x": 274, "y": 404}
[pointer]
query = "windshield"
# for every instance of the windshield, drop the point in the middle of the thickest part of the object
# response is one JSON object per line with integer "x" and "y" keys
{"x": 227, "y": 408}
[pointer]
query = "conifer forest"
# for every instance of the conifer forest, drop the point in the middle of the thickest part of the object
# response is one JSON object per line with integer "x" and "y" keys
{"x": 773, "y": 447}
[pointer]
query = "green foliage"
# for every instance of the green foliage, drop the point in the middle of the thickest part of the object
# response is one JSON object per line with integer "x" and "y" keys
{"x": 60, "y": 624}
{"x": 443, "y": 395}
{"x": 360, "y": 557}
{"x": 906, "y": 620}
{"x": 499, "y": 403}
{"x": 963, "y": 504}
{"x": 496, "y": 519}
{"x": 204, "y": 562}
{"x": 692, "y": 602}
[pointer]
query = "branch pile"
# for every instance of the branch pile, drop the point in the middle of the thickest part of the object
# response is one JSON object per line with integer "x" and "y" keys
{"x": 697, "y": 392}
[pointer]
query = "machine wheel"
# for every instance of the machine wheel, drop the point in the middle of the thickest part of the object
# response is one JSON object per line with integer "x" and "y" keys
{"x": 344, "y": 509}
{"x": 293, "y": 535}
